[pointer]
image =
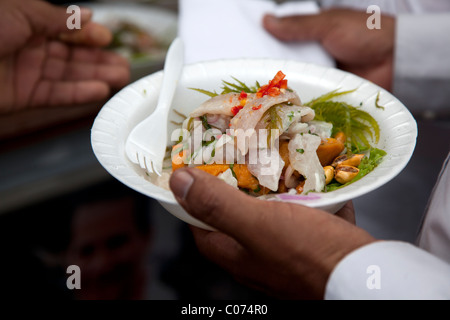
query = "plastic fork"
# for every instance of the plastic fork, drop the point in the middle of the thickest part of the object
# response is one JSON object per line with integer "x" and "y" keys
{"x": 146, "y": 144}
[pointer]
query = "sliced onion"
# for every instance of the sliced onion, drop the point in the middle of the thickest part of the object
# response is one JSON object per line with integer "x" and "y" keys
{"x": 290, "y": 180}
{"x": 212, "y": 118}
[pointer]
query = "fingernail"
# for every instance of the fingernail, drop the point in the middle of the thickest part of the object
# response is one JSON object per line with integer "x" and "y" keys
{"x": 271, "y": 18}
{"x": 180, "y": 183}
{"x": 99, "y": 35}
{"x": 85, "y": 13}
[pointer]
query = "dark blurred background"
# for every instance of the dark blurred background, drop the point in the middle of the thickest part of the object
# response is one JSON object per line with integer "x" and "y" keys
{"x": 59, "y": 207}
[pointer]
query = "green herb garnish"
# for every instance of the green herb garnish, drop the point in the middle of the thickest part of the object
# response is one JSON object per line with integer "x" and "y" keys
{"x": 228, "y": 87}
{"x": 180, "y": 114}
{"x": 328, "y": 96}
{"x": 239, "y": 87}
{"x": 368, "y": 163}
{"x": 232, "y": 171}
{"x": 274, "y": 121}
{"x": 377, "y": 100}
{"x": 205, "y": 122}
{"x": 358, "y": 125}
{"x": 207, "y": 143}
{"x": 208, "y": 93}
{"x": 190, "y": 124}
{"x": 291, "y": 115}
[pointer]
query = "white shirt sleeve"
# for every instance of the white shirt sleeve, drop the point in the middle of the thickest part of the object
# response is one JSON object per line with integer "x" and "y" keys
{"x": 435, "y": 229}
{"x": 422, "y": 62}
{"x": 399, "y": 270}
{"x": 394, "y": 269}
{"x": 389, "y": 270}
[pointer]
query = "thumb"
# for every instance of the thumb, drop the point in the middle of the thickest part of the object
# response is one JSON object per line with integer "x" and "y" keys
{"x": 216, "y": 203}
{"x": 297, "y": 27}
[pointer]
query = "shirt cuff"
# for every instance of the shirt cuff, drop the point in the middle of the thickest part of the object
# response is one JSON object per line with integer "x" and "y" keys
{"x": 422, "y": 62}
{"x": 389, "y": 270}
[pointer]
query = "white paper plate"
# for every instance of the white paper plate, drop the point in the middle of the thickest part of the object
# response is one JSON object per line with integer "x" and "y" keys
{"x": 128, "y": 107}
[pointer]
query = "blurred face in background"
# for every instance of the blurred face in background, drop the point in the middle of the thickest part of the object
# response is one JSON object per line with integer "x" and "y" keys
{"x": 111, "y": 251}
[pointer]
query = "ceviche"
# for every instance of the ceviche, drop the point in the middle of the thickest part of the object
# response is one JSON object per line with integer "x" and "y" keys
{"x": 263, "y": 140}
{"x": 135, "y": 42}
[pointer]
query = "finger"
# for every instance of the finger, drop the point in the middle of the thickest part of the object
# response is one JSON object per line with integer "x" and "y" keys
{"x": 97, "y": 55}
{"x": 218, "y": 248}
{"x": 91, "y": 34}
{"x": 59, "y": 50}
{"x": 216, "y": 203}
{"x": 378, "y": 73}
{"x": 54, "y": 94}
{"x": 297, "y": 27}
{"x": 228, "y": 254}
{"x": 115, "y": 76}
{"x": 49, "y": 19}
{"x": 347, "y": 212}
{"x": 52, "y": 20}
{"x": 75, "y": 64}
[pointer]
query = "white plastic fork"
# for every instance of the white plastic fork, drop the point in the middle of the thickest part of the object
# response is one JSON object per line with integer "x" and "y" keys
{"x": 146, "y": 144}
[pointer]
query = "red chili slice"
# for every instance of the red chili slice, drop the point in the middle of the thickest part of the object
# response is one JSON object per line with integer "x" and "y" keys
{"x": 273, "y": 88}
{"x": 236, "y": 109}
{"x": 243, "y": 95}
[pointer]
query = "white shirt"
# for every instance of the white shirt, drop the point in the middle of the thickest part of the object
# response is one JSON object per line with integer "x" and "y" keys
{"x": 435, "y": 232}
{"x": 392, "y": 7}
{"x": 422, "y": 53}
{"x": 394, "y": 269}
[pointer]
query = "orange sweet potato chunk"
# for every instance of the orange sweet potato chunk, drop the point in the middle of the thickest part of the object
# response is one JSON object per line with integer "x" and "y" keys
{"x": 328, "y": 150}
{"x": 244, "y": 178}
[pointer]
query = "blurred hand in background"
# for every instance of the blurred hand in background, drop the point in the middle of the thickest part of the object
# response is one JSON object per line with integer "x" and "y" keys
{"x": 344, "y": 35}
{"x": 43, "y": 63}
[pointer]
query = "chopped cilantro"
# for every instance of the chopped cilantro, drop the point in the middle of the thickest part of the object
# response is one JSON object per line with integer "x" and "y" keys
{"x": 205, "y": 122}
{"x": 232, "y": 171}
